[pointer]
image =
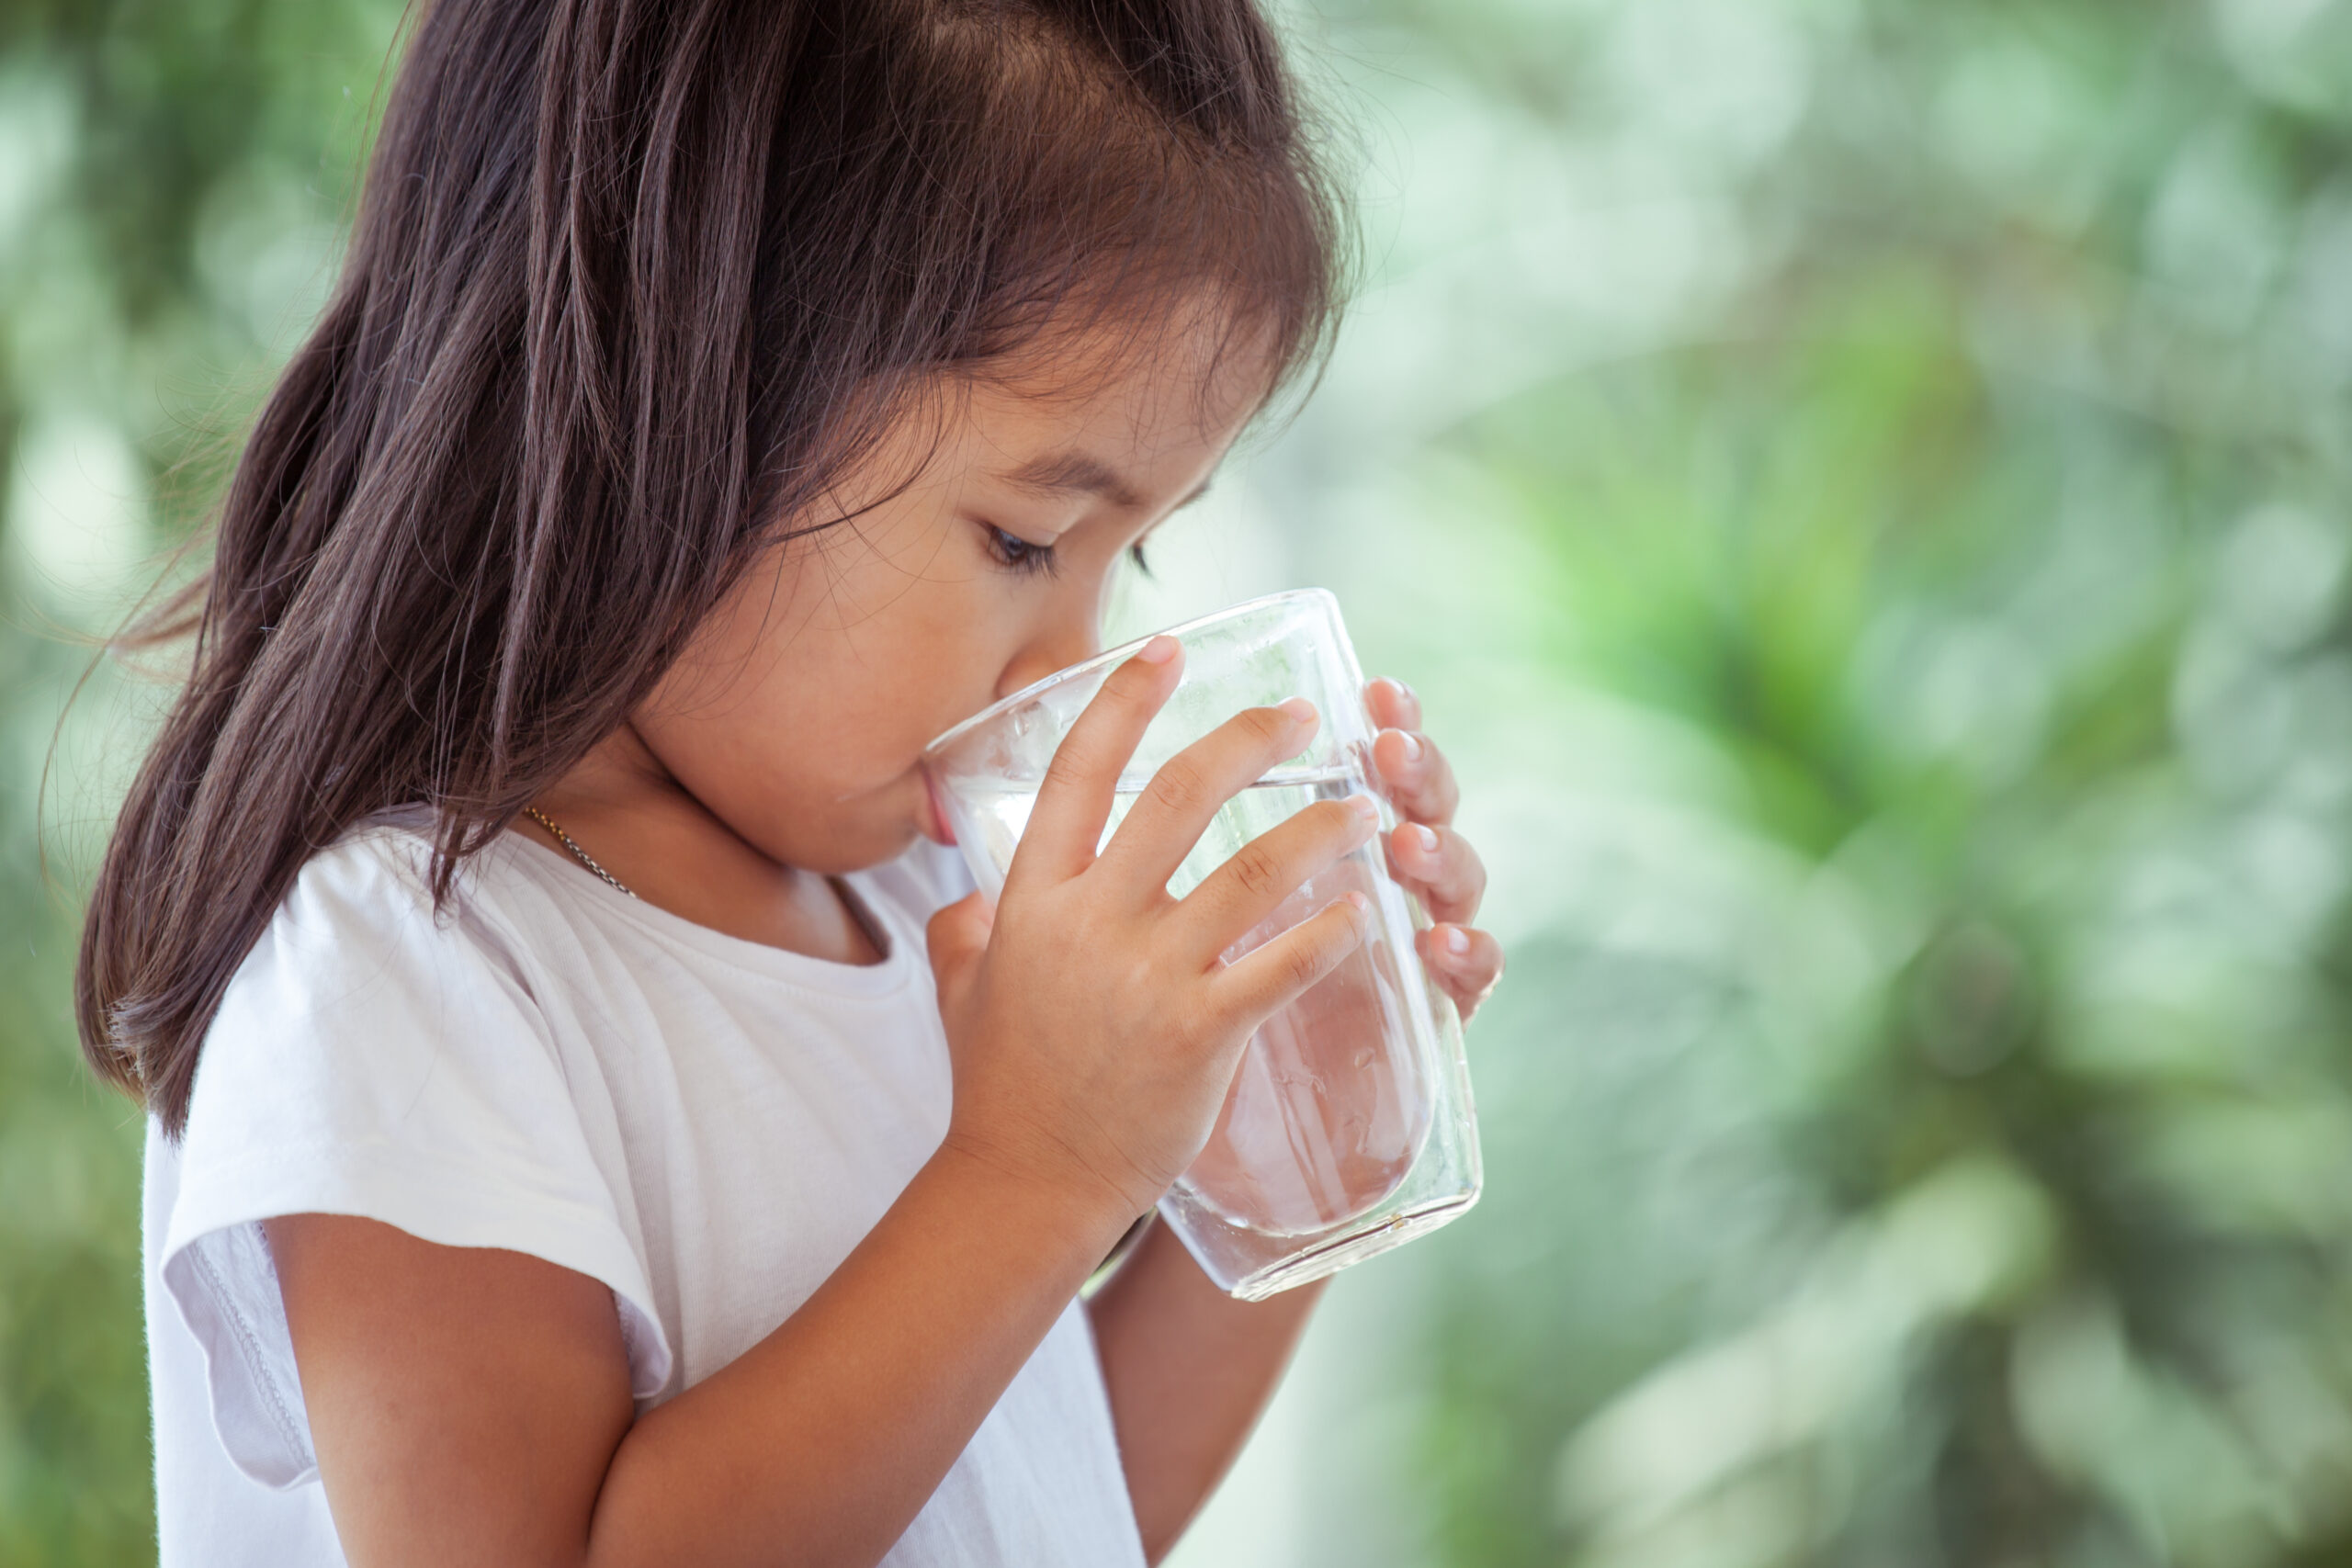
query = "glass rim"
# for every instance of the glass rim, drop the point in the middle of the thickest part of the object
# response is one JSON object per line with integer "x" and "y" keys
{"x": 1126, "y": 651}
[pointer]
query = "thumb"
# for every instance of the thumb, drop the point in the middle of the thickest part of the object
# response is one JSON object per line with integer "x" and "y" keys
{"x": 958, "y": 935}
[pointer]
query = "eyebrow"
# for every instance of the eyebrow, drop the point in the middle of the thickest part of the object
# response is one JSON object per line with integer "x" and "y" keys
{"x": 1079, "y": 471}
{"x": 1073, "y": 472}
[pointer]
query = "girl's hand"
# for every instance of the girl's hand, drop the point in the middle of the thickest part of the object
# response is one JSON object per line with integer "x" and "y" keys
{"x": 1093, "y": 1025}
{"x": 1426, "y": 855}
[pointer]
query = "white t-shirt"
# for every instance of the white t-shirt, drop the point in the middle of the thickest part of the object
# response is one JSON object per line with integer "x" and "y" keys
{"x": 705, "y": 1124}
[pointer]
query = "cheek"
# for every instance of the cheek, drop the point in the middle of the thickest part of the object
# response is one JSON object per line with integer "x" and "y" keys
{"x": 797, "y": 713}
{"x": 793, "y": 728}
{"x": 813, "y": 771}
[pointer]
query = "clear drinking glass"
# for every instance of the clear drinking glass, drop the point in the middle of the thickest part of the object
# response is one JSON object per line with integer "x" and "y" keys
{"x": 1348, "y": 1128}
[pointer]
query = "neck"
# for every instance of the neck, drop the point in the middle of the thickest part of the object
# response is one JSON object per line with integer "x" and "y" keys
{"x": 622, "y": 806}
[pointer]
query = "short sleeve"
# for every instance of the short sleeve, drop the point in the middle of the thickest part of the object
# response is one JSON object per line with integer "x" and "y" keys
{"x": 370, "y": 1059}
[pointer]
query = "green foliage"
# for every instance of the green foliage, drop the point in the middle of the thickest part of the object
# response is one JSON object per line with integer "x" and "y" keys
{"x": 74, "y": 1484}
{"x": 1919, "y": 1115}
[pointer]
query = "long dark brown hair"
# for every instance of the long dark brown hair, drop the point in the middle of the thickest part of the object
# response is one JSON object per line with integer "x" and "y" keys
{"x": 631, "y": 283}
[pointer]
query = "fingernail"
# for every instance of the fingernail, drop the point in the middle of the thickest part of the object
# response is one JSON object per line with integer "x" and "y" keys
{"x": 1426, "y": 837}
{"x": 1358, "y": 901}
{"x": 1299, "y": 708}
{"x": 1412, "y": 746}
{"x": 1457, "y": 941}
{"x": 1364, "y": 806}
{"x": 1158, "y": 651}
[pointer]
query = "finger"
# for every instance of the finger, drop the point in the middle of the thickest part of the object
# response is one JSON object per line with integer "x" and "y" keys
{"x": 1465, "y": 963}
{"x": 1168, "y": 818}
{"x": 1418, "y": 777}
{"x": 1439, "y": 864}
{"x": 1074, "y": 802}
{"x": 956, "y": 936}
{"x": 1270, "y": 976}
{"x": 1393, "y": 705}
{"x": 1267, "y": 870}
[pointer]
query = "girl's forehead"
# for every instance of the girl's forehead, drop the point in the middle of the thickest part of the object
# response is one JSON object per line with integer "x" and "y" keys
{"x": 1177, "y": 388}
{"x": 1145, "y": 441}
{"x": 1196, "y": 359}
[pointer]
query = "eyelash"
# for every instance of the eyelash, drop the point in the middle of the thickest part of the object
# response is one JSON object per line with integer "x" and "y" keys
{"x": 1028, "y": 557}
{"x": 1022, "y": 555}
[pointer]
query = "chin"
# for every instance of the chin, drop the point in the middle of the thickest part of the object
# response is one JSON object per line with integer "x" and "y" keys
{"x": 859, "y": 847}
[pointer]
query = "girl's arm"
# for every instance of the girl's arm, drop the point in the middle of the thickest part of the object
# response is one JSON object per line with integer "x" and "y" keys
{"x": 1189, "y": 1368}
{"x": 472, "y": 1407}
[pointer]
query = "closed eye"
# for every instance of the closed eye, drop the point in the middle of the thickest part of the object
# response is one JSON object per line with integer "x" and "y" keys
{"x": 1021, "y": 555}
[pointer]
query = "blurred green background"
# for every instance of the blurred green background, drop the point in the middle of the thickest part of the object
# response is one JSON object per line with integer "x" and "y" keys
{"x": 1864, "y": 490}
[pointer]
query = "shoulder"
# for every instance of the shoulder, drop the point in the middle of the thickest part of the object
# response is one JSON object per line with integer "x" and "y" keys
{"x": 378, "y": 874}
{"x": 360, "y": 995}
{"x": 376, "y": 1056}
{"x": 363, "y": 908}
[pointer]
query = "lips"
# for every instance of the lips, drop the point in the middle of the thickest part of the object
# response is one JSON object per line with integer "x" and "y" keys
{"x": 934, "y": 819}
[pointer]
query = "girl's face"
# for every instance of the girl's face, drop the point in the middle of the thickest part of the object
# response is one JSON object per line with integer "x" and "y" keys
{"x": 798, "y": 713}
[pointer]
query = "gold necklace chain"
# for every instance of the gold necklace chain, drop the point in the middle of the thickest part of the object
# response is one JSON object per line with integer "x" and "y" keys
{"x": 544, "y": 820}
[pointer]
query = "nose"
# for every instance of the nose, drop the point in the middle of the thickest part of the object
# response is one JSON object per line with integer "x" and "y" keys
{"x": 1071, "y": 637}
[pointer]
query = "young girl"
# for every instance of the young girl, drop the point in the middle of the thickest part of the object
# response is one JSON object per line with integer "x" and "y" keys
{"x": 593, "y": 1118}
